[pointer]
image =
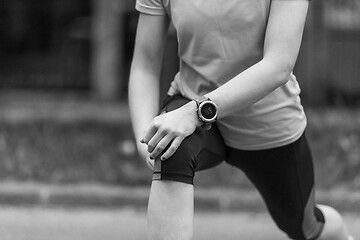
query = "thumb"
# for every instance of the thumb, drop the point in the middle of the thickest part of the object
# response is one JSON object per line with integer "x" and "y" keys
{"x": 150, "y": 163}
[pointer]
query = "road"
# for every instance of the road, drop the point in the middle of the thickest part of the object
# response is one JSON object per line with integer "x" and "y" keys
{"x": 44, "y": 223}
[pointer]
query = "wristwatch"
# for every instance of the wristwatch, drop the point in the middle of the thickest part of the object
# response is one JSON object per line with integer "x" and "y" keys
{"x": 206, "y": 111}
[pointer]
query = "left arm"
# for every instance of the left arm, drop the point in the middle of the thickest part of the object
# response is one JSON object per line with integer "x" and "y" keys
{"x": 282, "y": 43}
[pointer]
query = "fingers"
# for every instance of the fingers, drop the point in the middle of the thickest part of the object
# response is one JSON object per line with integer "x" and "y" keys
{"x": 148, "y": 135}
{"x": 158, "y": 137}
{"x": 153, "y": 135}
{"x": 172, "y": 149}
{"x": 165, "y": 134}
{"x": 155, "y": 140}
{"x": 162, "y": 141}
{"x": 161, "y": 146}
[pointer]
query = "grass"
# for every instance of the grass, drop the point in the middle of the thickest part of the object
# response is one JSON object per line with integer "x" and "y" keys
{"x": 335, "y": 138}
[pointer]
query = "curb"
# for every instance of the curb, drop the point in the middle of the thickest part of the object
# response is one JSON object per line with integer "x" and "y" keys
{"x": 95, "y": 195}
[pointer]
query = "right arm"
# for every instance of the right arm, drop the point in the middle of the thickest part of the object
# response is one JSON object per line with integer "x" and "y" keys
{"x": 145, "y": 74}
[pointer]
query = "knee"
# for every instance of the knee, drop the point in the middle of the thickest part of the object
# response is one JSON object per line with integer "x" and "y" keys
{"x": 321, "y": 223}
{"x": 184, "y": 159}
{"x": 334, "y": 227}
{"x": 181, "y": 165}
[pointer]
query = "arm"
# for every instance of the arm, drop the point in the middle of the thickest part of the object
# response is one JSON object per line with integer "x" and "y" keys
{"x": 282, "y": 43}
{"x": 145, "y": 74}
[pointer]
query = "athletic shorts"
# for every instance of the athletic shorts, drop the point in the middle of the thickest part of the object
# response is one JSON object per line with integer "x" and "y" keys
{"x": 284, "y": 176}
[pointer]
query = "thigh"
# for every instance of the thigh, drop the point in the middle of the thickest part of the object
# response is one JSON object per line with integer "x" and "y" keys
{"x": 201, "y": 150}
{"x": 284, "y": 177}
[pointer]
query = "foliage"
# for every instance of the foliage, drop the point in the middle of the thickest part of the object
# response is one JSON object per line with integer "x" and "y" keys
{"x": 57, "y": 152}
{"x": 68, "y": 152}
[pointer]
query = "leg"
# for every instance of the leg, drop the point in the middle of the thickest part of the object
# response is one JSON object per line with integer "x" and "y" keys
{"x": 171, "y": 206}
{"x": 171, "y": 202}
{"x": 170, "y": 210}
{"x": 284, "y": 177}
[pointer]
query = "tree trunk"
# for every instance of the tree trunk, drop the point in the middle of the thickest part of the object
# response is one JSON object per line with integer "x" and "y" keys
{"x": 107, "y": 52}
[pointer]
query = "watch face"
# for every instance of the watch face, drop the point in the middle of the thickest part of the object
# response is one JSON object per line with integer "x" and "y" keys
{"x": 208, "y": 111}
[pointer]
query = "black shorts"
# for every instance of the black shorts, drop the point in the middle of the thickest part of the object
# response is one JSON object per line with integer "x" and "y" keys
{"x": 284, "y": 176}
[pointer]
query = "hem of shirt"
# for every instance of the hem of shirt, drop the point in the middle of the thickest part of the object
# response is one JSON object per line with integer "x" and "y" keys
{"x": 269, "y": 145}
{"x": 149, "y": 9}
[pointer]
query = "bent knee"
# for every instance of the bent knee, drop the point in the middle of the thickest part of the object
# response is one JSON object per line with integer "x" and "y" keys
{"x": 181, "y": 165}
{"x": 305, "y": 226}
{"x": 334, "y": 228}
{"x": 326, "y": 224}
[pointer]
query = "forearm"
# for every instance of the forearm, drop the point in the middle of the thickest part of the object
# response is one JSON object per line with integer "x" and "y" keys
{"x": 250, "y": 86}
{"x": 145, "y": 71}
{"x": 143, "y": 100}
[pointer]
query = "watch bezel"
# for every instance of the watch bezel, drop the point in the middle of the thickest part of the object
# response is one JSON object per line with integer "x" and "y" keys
{"x": 200, "y": 107}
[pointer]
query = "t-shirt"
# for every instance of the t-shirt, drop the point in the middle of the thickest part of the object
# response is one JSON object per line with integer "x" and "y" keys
{"x": 218, "y": 40}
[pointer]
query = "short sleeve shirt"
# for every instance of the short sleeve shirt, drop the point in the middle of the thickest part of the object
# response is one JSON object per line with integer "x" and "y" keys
{"x": 218, "y": 40}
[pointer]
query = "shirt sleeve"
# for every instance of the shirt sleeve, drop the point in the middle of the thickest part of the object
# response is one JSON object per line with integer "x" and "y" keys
{"x": 152, "y": 7}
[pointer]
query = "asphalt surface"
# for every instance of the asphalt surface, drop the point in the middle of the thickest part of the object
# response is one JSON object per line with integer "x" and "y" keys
{"x": 39, "y": 223}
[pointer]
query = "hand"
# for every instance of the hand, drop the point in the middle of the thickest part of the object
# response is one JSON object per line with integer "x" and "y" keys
{"x": 169, "y": 130}
{"x": 144, "y": 154}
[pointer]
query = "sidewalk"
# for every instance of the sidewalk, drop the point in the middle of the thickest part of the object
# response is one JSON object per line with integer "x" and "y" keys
{"x": 95, "y": 195}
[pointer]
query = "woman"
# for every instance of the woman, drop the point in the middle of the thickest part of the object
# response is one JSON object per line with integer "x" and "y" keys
{"x": 234, "y": 99}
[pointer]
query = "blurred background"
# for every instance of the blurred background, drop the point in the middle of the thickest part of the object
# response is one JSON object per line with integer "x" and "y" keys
{"x": 64, "y": 121}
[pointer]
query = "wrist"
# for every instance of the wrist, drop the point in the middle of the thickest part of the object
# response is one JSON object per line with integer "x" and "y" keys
{"x": 206, "y": 111}
{"x": 191, "y": 110}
